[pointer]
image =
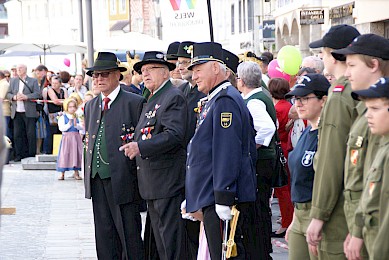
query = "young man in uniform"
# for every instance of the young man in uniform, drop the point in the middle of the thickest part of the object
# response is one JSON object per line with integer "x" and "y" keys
{"x": 373, "y": 205}
{"x": 328, "y": 228}
{"x": 367, "y": 59}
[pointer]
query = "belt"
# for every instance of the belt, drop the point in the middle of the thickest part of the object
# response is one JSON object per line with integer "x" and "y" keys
{"x": 301, "y": 206}
{"x": 370, "y": 221}
{"x": 352, "y": 195}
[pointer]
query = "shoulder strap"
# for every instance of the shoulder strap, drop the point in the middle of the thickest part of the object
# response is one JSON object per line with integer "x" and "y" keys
{"x": 25, "y": 83}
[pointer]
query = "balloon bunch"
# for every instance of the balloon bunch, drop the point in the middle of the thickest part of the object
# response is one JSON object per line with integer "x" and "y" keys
{"x": 287, "y": 63}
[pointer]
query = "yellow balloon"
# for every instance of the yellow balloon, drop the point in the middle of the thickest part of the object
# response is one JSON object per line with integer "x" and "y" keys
{"x": 289, "y": 59}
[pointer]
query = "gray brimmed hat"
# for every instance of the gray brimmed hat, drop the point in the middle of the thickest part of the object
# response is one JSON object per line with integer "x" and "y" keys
{"x": 153, "y": 57}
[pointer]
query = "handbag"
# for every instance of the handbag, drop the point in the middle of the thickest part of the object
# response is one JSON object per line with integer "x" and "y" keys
{"x": 280, "y": 173}
{"x": 53, "y": 118}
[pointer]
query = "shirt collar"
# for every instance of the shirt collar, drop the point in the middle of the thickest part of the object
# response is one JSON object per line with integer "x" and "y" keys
{"x": 252, "y": 92}
{"x": 112, "y": 96}
{"x": 160, "y": 87}
{"x": 216, "y": 90}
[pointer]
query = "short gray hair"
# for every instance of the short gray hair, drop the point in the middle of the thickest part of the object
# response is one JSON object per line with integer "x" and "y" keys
{"x": 314, "y": 63}
{"x": 250, "y": 73}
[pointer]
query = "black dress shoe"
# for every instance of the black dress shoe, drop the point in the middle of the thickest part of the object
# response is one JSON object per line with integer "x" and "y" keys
{"x": 279, "y": 235}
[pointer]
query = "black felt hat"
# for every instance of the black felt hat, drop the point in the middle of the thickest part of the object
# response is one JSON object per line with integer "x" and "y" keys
{"x": 105, "y": 61}
{"x": 184, "y": 50}
{"x": 367, "y": 44}
{"x": 206, "y": 51}
{"x": 172, "y": 51}
{"x": 338, "y": 37}
{"x": 153, "y": 57}
{"x": 311, "y": 82}
{"x": 379, "y": 90}
{"x": 231, "y": 60}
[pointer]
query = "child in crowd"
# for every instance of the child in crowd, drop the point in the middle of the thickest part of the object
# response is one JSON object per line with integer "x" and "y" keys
{"x": 373, "y": 205}
{"x": 70, "y": 151}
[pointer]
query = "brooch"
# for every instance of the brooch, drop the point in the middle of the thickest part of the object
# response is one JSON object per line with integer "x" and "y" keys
{"x": 146, "y": 132}
{"x": 151, "y": 114}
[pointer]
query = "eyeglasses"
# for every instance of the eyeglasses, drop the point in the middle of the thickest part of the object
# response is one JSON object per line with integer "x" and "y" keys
{"x": 184, "y": 63}
{"x": 148, "y": 70}
{"x": 302, "y": 100}
{"x": 104, "y": 74}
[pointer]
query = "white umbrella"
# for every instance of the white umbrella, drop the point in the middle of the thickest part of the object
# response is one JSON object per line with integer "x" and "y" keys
{"x": 131, "y": 41}
{"x": 42, "y": 47}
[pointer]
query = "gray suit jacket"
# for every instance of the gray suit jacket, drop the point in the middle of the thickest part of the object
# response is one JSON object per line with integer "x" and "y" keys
{"x": 125, "y": 110}
{"x": 32, "y": 92}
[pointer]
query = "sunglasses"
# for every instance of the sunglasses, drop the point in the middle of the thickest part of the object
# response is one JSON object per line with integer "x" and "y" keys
{"x": 104, "y": 74}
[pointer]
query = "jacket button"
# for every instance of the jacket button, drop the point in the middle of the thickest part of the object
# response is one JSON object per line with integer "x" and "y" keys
{"x": 89, "y": 167}
{"x": 228, "y": 188}
{"x": 137, "y": 167}
{"x": 93, "y": 136}
{"x": 97, "y": 121}
{"x": 90, "y": 151}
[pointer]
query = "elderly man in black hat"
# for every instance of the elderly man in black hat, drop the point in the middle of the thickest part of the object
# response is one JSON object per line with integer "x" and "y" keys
{"x": 220, "y": 171}
{"x": 110, "y": 178}
{"x": 160, "y": 151}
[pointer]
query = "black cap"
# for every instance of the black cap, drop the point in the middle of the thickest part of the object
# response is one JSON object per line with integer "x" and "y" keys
{"x": 367, "y": 44}
{"x": 310, "y": 83}
{"x": 231, "y": 60}
{"x": 184, "y": 50}
{"x": 153, "y": 57}
{"x": 172, "y": 51}
{"x": 264, "y": 59}
{"x": 206, "y": 51}
{"x": 379, "y": 90}
{"x": 105, "y": 61}
{"x": 338, "y": 37}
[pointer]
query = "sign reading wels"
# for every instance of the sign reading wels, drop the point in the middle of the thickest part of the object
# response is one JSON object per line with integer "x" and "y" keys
{"x": 185, "y": 20}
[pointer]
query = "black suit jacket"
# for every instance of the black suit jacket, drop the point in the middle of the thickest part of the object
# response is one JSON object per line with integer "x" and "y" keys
{"x": 193, "y": 95}
{"x": 161, "y": 166}
{"x": 125, "y": 110}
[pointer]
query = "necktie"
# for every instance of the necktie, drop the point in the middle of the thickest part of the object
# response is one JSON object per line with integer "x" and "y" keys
{"x": 106, "y": 101}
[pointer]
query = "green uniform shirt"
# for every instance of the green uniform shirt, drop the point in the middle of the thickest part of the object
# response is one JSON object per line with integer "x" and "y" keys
{"x": 374, "y": 202}
{"x": 336, "y": 119}
{"x": 361, "y": 148}
{"x": 100, "y": 162}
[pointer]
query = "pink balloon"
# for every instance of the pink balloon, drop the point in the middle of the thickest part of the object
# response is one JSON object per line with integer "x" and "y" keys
{"x": 275, "y": 71}
{"x": 66, "y": 61}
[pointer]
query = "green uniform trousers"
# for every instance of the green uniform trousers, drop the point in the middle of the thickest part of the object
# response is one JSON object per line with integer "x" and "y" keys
{"x": 350, "y": 206}
{"x": 298, "y": 246}
{"x": 369, "y": 236}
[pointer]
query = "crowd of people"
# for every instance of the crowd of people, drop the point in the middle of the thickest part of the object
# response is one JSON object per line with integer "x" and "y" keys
{"x": 193, "y": 133}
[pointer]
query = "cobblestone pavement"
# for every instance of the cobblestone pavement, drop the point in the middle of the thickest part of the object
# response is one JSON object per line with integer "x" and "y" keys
{"x": 53, "y": 220}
